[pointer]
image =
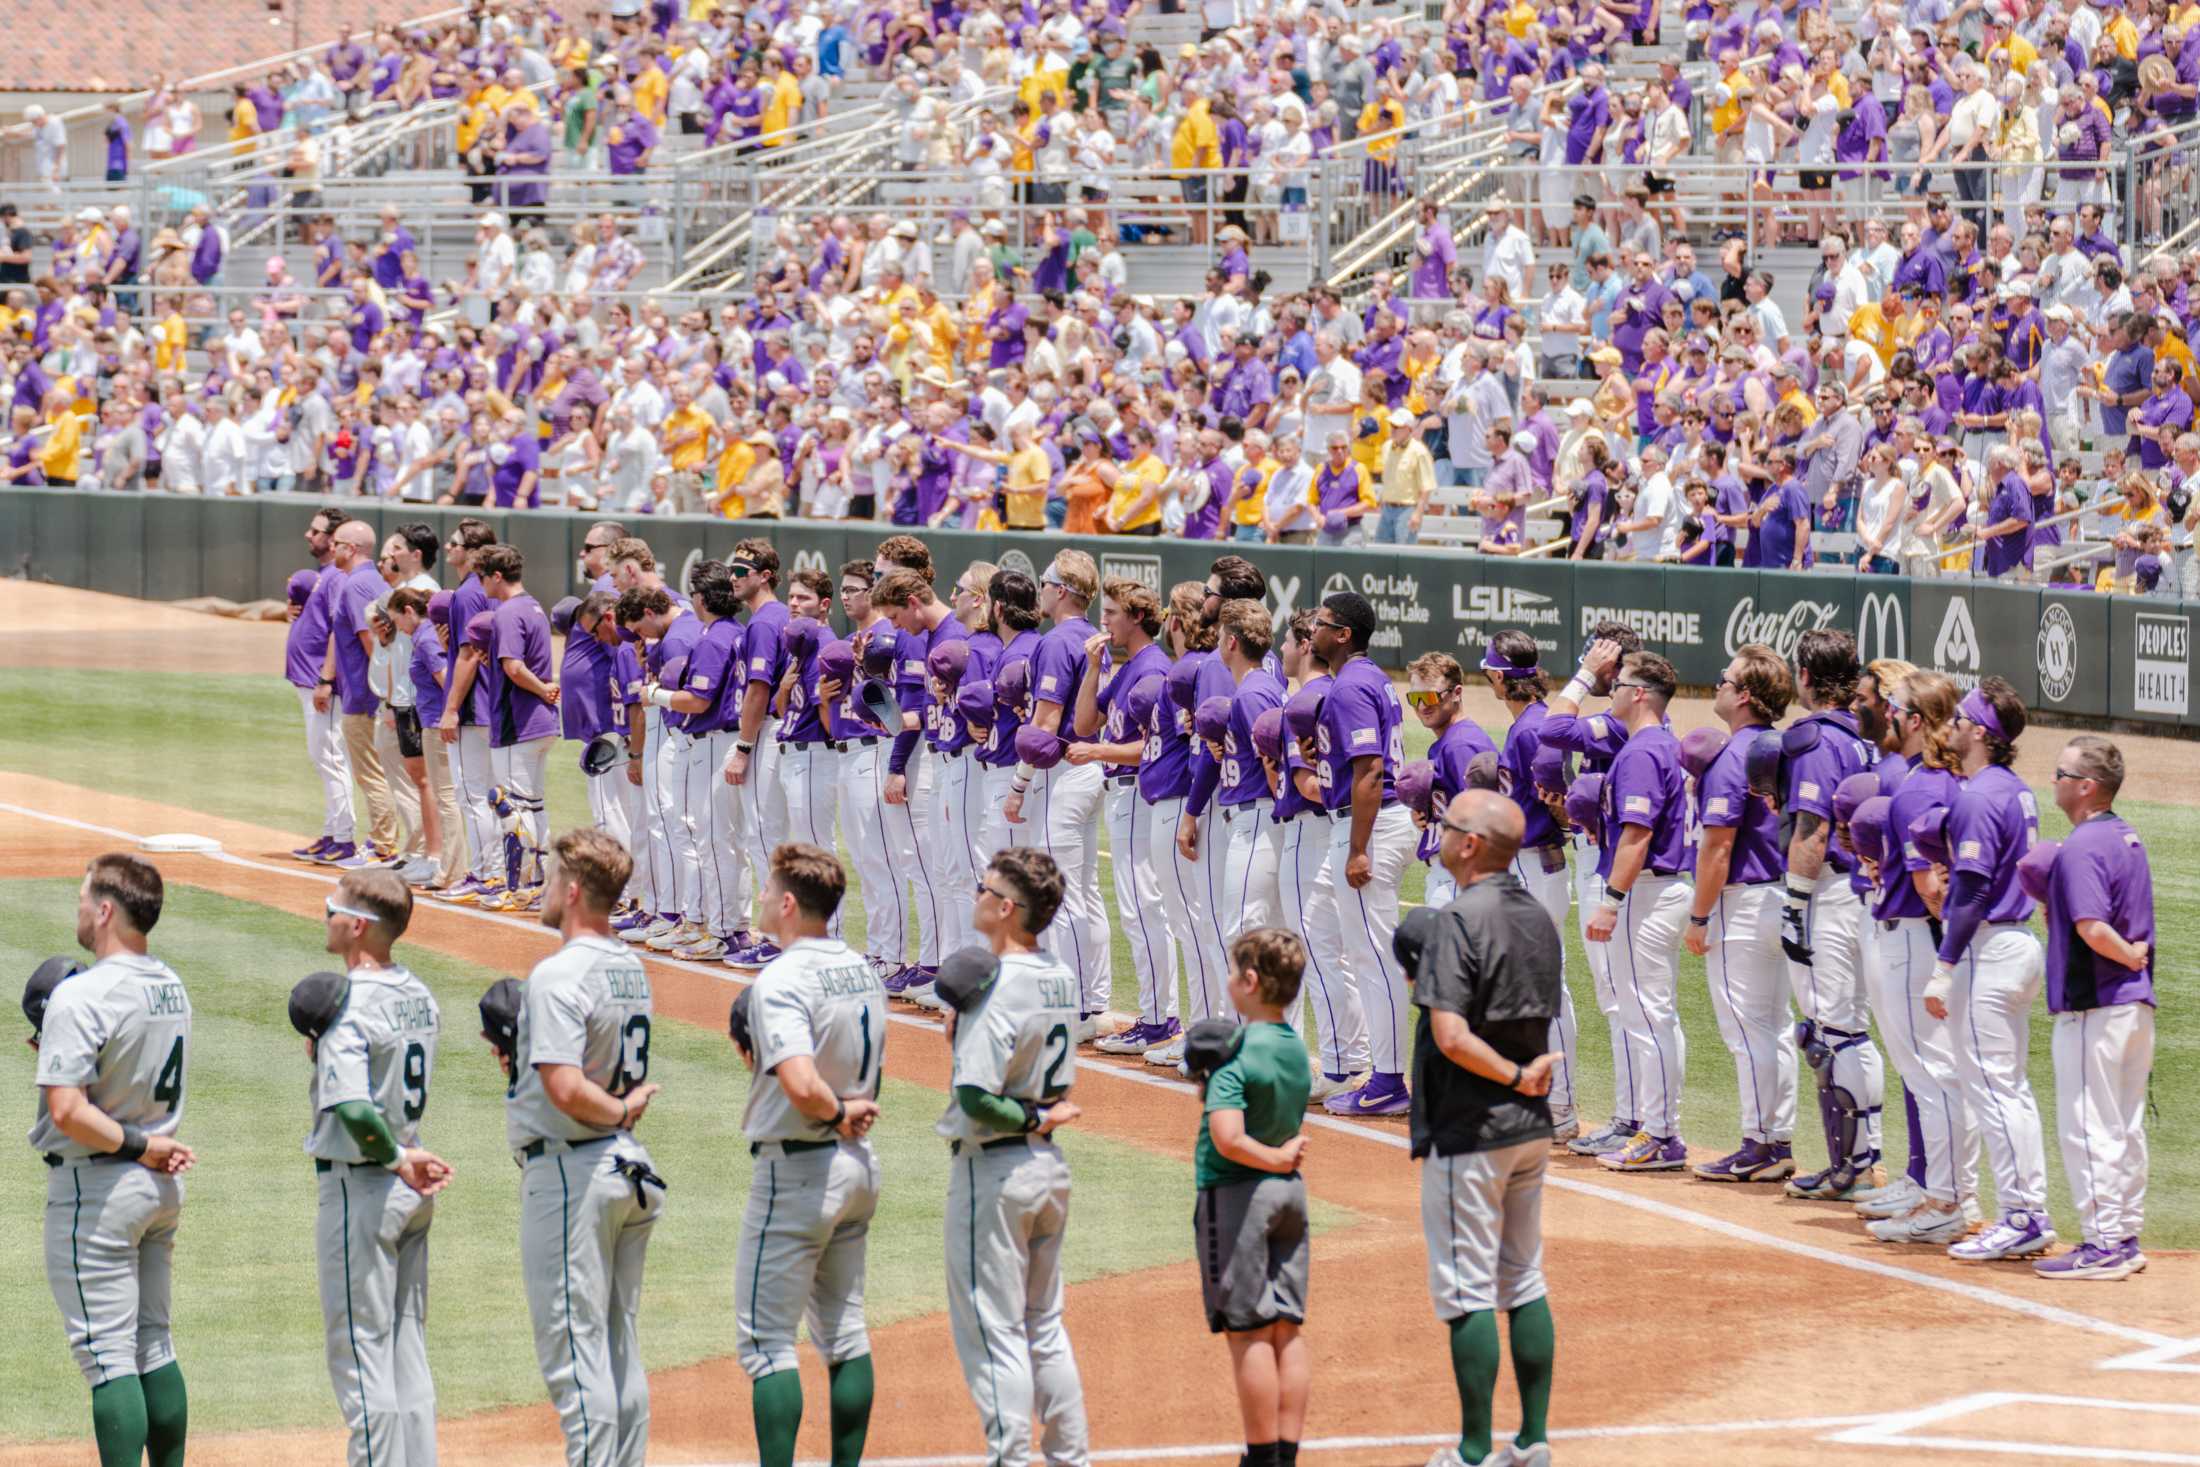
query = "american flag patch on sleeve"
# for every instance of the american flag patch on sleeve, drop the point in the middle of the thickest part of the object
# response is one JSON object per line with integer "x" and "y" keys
{"x": 699, "y": 683}
{"x": 1362, "y": 737}
{"x": 1046, "y": 684}
{"x": 1807, "y": 790}
{"x": 1596, "y": 726}
{"x": 759, "y": 664}
{"x": 1968, "y": 851}
{"x": 1638, "y": 805}
{"x": 1716, "y": 805}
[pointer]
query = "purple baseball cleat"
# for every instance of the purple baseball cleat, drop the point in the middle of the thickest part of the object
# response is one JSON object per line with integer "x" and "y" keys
{"x": 312, "y": 852}
{"x": 2019, "y": 1235}
{"x": 1382, "y": 1095}
{"x": 1647, "y": 1153}
{"x": 1757, "y": 1161}
{"x": 899, "y": 980}
{"x": 335, "y": 851}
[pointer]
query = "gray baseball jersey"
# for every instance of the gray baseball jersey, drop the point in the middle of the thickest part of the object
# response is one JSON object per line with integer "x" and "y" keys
{"x": 1020, "y": 1042}
{"x": 587, "y": 1004}
{"x": 819, "y": 998}
{"x": 381, "y": 1049}
{"x": 120, "y": 1031}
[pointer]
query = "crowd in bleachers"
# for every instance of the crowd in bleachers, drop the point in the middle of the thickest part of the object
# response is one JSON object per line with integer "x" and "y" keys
{"x": 1979, "y": 371}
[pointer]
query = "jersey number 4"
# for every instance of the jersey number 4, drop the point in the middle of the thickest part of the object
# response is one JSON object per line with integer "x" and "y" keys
{"x": 168, "y": 1089}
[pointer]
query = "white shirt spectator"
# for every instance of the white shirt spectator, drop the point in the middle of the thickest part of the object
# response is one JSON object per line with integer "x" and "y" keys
{"x": 182, "y": 444}
{"x": 1510, "y": 257}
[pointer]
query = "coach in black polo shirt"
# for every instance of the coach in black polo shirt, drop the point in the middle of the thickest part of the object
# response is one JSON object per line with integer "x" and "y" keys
{"x": 1486, "y": 982}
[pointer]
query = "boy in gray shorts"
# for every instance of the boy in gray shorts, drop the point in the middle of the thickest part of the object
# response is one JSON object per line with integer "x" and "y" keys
{"x": 1249, "y": 1222}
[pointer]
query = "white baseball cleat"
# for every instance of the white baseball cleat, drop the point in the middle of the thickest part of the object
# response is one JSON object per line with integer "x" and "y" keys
{"x": 1926, "y": 1223}
{"x": 1897, "y": 1198}
{"x": 1168, "y": 1055}
{"x": 677, "y": 937}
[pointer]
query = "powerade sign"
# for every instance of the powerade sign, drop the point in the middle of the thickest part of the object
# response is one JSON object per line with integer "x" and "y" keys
{"x": 1656, "y": 628}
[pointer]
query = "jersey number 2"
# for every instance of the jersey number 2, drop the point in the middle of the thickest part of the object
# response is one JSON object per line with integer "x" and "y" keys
{"x": 1058, "y": 1035}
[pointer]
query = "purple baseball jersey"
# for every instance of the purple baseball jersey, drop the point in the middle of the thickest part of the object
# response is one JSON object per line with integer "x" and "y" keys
{"x": 1453, "y": 750}
{"x": 2100, "y": 875}
{"x": 805, "y": 718}
{"x": 1289, "y": 802}
{"x": 912, "y": 686}
{"x": 939, "y": 720}
{"x": 354, "y": 594}
{"x": 1115, "y": 694}
{"x": 1596, "y": 737}
{"x": 712, "y": 668}
{"x": 1723, "y": 801}
{"x": 1923, "y": 789}
{"x": 523, "y": 635}
{"x": 306, "y": 643}
{"x": 1058, "y": 666}
{"x": 428, "y": 662}
{"x": 677, "y": 644}
{"x": 1513, "y": 780}
{"x": 585, "y": 702}
{"x": 999, "y": 751}
{"x": 1647, "y": 786}
{"x": 1991, "y": 824}
{"x": 1360, "y": 717}
{"x": 985, "y": 655}
{"x": 1815, "y": 774}
{"x": 763, "y": 657}
{"x": 1165, "y": 773}
{"x": 1213, "y": 681}
{"x": 1242, "y": 779}
{"x": 468, "y": 600}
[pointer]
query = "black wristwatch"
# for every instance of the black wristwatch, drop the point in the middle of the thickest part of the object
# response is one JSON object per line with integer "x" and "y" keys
{"x": 1696, "y": 921}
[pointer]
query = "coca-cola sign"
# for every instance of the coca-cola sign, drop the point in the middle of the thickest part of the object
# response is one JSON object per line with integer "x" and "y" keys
{"x": 1779, "y": 630}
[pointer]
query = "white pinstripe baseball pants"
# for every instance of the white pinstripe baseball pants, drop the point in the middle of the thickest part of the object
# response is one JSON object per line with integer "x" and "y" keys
{"x": 808, "y": 782}
{"x": 1551, "y": 890}
{"x": 1990, "y": 1022}
{"x": 2102, "y": 1060}
{"x": 1747, "y": 973}
{"x": 1367, "y": 916}
{"x": 1138, "y": 900}
{"x": 1644, "y": 954}
{"x": 887, "y": 916}
{"x": 1918, "y": 1044}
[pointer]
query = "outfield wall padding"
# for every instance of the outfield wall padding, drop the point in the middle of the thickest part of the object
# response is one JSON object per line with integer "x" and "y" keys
{"x": 2068, "y": 652}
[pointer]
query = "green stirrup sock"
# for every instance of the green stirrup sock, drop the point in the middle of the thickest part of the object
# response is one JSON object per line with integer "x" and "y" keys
{"x": 1534, "y": 1343}
{"x": 118, "y": 1422}
{"x": 851, "y": 1398}
{"x": 167, "y": 1415}
{"x": 776, "y": 1400}
{"x": 1474, "y": 1368}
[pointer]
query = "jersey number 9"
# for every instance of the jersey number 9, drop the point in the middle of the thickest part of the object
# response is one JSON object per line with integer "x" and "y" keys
{"x": 416, "y": 1081}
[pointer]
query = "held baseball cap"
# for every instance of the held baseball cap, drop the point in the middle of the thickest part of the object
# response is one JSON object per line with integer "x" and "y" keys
{"x": 1303, "y": 713}
{"x": 1850, "y": 793}
{"x": 480, "y": 630}
{"x": 1410, "y": 939}
{"x": 1548, "y": 770}
{"x": 300, "y": 588}
{"x": 1584, "y": 800}
{"x": 1868, "y": 830}
{"x": 499, "y": 1010}
{"x": 1208, "y": 1046}
{"x": 1928, "y": 835}
{"x": 1012, "y": 684}
{"x": 1482, "y": 771}
{"x": 974, "y": 702}
{"x": 801, "y": 637}
{"x": 1038, "y": 748}
{"x": 1145, "y": 695}
{"x": 1211, "y": 720}
{"x": 1762, "y": 765}
{"x": 45, "y": 978}
{"x": 966, "y": 977}
{"x": 1699, "y": 747}
{"x": 562, "y": 614}
{"x": 837, "y": 661}
{"x": 317, "y": 1001}
{"x": 878, "y": 655}
{"x": 1416, "y": 786}
{"x": 1268, "y": 735}
{"x": 1183, "y": 683}
{"x": 599, "y": 754}
{"x": 738, "y": 1026}
{"x": 948, "y": 661}
{"x": 2037, "y": 868}
{"x": 439, "y": 609}
{"x": 879, "y": 704}
{"x": 1335, "y": 522}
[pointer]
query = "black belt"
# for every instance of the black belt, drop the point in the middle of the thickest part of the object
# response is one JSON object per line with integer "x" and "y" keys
{"x": 56, "y": 1159}
{"x": 999, "y": 1144}
{"x": 534, "y": 1149}
{"x": 842, "y": 746}
{"x": 1119, "y": 780}
{"x": 947, "y": 753}
{"x": 792, "y": 1148}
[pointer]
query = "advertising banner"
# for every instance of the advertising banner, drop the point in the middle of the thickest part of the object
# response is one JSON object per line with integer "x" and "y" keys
{"x": 2150, "y": 674}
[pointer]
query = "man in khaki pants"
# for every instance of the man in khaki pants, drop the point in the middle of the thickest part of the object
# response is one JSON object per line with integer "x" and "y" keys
{"x": 346, "y": 678}
{"x": 444, "y": 832}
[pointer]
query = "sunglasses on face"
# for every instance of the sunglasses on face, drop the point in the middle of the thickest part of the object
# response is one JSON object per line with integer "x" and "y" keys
{"x": 336, "y": 910}
{"x": 984, "y": 889}
{"x": 1422, "y": 699}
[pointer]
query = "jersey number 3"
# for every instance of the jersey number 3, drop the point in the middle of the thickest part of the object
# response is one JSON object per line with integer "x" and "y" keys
{"x": 633, "y": 1054}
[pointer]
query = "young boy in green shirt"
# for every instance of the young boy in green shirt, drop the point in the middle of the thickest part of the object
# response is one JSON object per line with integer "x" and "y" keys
{"x": 1249, "y": 1221}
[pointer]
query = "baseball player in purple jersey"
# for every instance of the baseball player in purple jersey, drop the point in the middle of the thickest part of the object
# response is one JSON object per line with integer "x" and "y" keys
{"x": 1822, "y": 919}
{"x": 1243, "y": 851}
{"x": 670, "y": 632}
{"x": 1942, "y": 1207}
{"x": 1361, "y": 745}
{"x": 888, "y": 917}
{"x": 1196, "y": 831}
{"x": 1164, "y": 779}
{"x": 1062, "y": 804}
{"x": 1437, "y": 694}
{"x": 916, "y": 613}
{"x": 1305, "y": 892}
{"x": 809, "y": 765}
{"x": 698, "y": 702}
{"x": 1511, "y": 663}
{"x": 1644, "y": 859}
{"x": 752, "y": 765}
{"x": 1014, "y": 613}
{"x": 592, "y": 702}
{"x": 956, "y": 814}
{"x": 1595, "y": 738}
{"x": 523, "y": 719}
{"x": 634, "y": 568}
{"x": 2100, "y": 988}
{"x": 305, "y": 646}
{"x": 1734, "y": 919}
{"x": 1114, "y": 713}
{"x": 1991, "y": 968}
{"x": 465, "y": 724}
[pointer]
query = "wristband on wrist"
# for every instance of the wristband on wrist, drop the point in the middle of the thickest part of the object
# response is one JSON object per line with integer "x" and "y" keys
{"x": 626, "y": 1112}
{"x": 744, "y": 746}
{"x": 840, "y": 1113}
{"x": 1514, "y": 1082}
{"x": 1696, "y": 921}
{"x": 133, "y": 1144}
{"x": 1033, "y": 1116}
{"x": 1613, "y": 896}
{"x": 1577, "y": 690}
{"x": 1796, "y": 895}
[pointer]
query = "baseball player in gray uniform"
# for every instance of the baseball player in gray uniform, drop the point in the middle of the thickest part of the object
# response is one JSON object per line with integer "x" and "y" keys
{"x": 589, "y": 1196}
{"x": 813, "y": 1028}
{"x": 1012, "y": 1027}
{"x": 371, "y": 1033}
{"x": 114, "y": 1048}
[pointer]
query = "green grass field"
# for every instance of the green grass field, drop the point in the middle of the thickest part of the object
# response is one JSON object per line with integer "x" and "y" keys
{"x": 247, "y": 1319}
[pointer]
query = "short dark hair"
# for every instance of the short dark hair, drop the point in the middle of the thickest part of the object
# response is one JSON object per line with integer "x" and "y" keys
{"x": 1520, "y": 650}
{"x": 760, "y": 553}
{"x": 596, "y": 861}
{"x": 712, "y": 587}
{"x": 902, "y": 588}
{"x": 329, "y": 515}
{"x": 1765, "y": 681}
{"x": 1036, "y": 880}
{"x": 473, "y": 533}
{"x": 1653, "y": 672}
{"x": 594, "y": 607}
{"x": 132, "y": 884}
{"x": 1357, "y": 615}
{"x": 504, "y": 561}
{"x": 1275, "y": 957}
{"x": 409, "y": 598}
{"x": 816, "y": 582}
{"x": 812, "y": 876}
{"x": 2009, "y": 713}
{"x": 2099, "y": 760}
{"x": 859, "y": 570}
{"x": 422, "y": 537}
{"x": 1249, "y": 622}
{"x": 1618, "y": 633}
{"x": 643, "y": 601}
{"x": 1237, "y": 577}
{"x": 1134, "y": 598}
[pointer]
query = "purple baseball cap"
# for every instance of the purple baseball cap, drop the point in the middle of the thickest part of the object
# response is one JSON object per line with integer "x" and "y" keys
{"x": 2146, "y": 571}
{"x": 673, "y": 670}
{"x": 1268, "y": 735}
{"x": 1145, "y": 695}
{"x": 1868, "y": 832}
{"x": 2037, "y": 867}
{"x": 1417, "y": 786}
{"x": 1303, "y": 712}
{"x": 801, "y": 638}
{"x": 1699, "y": 747}
{"x": 1012, "y": 683}
{"x": 1850, "y": 793}
{"x": 1929, "y": 834}
{"x": 480, "y": 629}
{"x": 878, "y": 655}
{"x": 1762, "y": 767}
{"x": 439, "y": 608}
{"x": 1584, "y": 800}
{"x": 1183, "y": 683}
{"x": 1548, "y": 769}
{"x": 974, "y": 702}
{"x": 1211, "y": 720}
{"x": 947, "y": 662}
{"x": 1335, "y": 522}
{"x": 1038, "y": 748}
{"x": 837, "y": 660}
{"x": 301, "y": 586}
{"x": 1482, "y": 771}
